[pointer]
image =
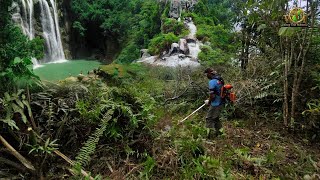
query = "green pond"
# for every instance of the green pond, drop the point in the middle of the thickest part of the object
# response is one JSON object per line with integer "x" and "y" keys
{"x": 63, "y": 69}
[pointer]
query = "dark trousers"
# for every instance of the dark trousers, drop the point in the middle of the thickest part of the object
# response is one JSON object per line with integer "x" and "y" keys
{"x": 212, "y": 119}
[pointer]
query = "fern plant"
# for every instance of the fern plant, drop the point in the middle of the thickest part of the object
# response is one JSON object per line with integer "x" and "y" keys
{"x": 89, "y": 147}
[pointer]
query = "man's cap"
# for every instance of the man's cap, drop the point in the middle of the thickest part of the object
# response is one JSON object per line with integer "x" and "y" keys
{"x": 211, "y": 71}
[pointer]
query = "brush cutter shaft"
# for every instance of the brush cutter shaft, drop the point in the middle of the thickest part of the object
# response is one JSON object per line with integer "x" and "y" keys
{"x": 192, "y": 113}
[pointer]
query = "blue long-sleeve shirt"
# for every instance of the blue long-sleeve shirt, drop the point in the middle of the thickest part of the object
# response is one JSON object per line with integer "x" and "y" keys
{"x": 215, "y": 88}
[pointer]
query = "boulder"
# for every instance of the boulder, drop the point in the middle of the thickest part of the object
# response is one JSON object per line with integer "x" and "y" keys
{"x": 191, "y": 40}
{"x": 144, "y": 53}
{"x": 175, "y": 9}
{"x": 183, "y": 46}
{"x": 174, "y": 48}
{"x": 80, "y": 77}
{"x": 182, "y": 56}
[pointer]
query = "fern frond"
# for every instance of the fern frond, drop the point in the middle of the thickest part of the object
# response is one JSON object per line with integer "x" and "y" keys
{"x": 261, "y": 95}
{"x": 89, "y": 147}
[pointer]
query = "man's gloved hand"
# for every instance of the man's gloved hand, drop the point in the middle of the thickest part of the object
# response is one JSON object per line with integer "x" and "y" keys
{"x": 206, "y": 102}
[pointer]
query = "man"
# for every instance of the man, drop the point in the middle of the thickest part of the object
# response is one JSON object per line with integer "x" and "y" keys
{"x": 215, "y": 102}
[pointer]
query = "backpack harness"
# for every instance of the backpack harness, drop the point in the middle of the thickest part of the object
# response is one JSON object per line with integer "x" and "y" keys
{"x": 225, "y": 91}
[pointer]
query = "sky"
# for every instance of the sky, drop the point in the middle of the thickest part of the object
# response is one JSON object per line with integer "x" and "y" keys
{"x": 301, "y": 3}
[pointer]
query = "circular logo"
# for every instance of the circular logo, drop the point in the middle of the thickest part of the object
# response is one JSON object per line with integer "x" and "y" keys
{"x": 297, "y": 16}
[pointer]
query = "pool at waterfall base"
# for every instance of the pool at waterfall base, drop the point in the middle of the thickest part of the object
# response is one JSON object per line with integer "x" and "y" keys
{"x": 64, "y": 68}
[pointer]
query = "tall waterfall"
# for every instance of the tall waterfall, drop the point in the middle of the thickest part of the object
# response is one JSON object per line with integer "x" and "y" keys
{"x": 51, "y": 33}
{"x": 24, "y": 16}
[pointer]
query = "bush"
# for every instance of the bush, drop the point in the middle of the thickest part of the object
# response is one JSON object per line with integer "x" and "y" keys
{"x": 129, "y": 54}
{"x": 204, "y": 32}
{"x": 162, "y": 42}
{"x": 209, "y": 56}
{"x": 173, "y": 26}
{"x": 199, "y": 20}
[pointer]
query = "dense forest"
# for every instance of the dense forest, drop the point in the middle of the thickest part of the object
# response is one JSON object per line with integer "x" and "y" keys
{"x": 123, "y": 119}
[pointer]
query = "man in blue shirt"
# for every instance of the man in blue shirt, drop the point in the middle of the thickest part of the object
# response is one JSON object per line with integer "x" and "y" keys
{"x": 215, "y": 102}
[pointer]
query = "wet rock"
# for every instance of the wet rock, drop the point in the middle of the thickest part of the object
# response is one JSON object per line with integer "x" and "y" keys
{"x": 174, "y": 48}
{"x": 188, "y": 5}
{"x": 181, "y": 56}
{"x": 144, "y": 53}
{"x": 194, "y": 59}
{"x": 187, "y": 19}
{"x": 183, "y": 46}
{"x": 191, "y": 40}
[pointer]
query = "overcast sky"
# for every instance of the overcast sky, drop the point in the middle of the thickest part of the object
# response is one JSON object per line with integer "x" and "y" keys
{"x": 301, "y": 3}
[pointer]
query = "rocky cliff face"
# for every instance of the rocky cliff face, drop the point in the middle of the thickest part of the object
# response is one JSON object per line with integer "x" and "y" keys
{"x": 95, "y": 44}
{"x": 176, "y": 6}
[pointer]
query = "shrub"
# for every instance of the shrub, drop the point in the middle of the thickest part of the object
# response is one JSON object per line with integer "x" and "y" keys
{"x": 173, "y": 26}
{"x": 204, "y": 32}
{"x": 162, "y": 42}
{"x": 129, "y": 54}
{"x": 209, "y": 56}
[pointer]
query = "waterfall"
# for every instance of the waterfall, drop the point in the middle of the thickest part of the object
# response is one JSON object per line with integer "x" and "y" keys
{"x": 180, "y": 59}
{"x": 24, "y": 17}
{"x": 194, "y": 46}
{"x": 51, "y": 33}
{"x": 27, "y": 7}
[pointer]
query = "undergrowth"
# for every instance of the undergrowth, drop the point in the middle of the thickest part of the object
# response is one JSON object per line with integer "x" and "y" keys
{"x": 126, "y": 127}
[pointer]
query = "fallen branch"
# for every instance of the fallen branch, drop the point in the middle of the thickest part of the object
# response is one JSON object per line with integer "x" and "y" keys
{"x": 181, "y": 94}
{"x": 16, "y": 154}
{"x": 13, "y": 164}
{"x": 83, "y": 172}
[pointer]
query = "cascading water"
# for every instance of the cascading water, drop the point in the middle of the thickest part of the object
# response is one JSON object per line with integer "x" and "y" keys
{"x": 24, "y": 16}
{"x": 51, "y": 33}
{"x": 27, "y": 6}
{"x": 179, "y": 59}
{"x": 194, "y": 47}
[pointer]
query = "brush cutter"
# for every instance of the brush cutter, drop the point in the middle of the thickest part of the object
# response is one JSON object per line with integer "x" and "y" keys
{"x": 192, "y": 113}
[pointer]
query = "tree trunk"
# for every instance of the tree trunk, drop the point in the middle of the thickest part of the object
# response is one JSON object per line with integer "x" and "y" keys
{"x": 285, "y": 84}
{"x": 299, "y": 63}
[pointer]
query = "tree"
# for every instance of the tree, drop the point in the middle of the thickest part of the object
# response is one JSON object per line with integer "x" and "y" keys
{"x": 16, "y": 52}
{"x": 295, "y": 45}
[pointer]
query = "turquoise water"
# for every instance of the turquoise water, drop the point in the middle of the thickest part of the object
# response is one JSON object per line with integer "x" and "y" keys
{"x": 64, "y": 69}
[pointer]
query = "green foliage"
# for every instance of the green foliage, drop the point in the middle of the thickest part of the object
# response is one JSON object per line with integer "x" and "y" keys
{"x": 204, "y": 33}
{"x": 16, "y": 52}
{"x": 243, "y": 156}
{"x": 218, "y": 36}
{"x": 173, "y": 26}
{"x": 162, "y": 42}
{"x": 145, "y": 23}
{"x": 215, "y": 12}
{"x": 79, "y": 175}
{"x": 149, "y": 165}
{"x": 77, "y": 25}
{"x": 89, "y": 147}
{"x": 213, "y": 20}
{"x": 130, "y": 53}
{"x": 12, "y": 104}
{"x": 313, "y": 107}
{"x": 209, "y": 56}
{"x": 132, "y": 23}
{"x": 47, "y": 148}
{"x": 287, "y": 31}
